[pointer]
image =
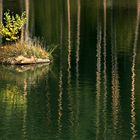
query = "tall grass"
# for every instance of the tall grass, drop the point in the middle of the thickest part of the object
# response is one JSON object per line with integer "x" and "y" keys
{"x": 25, "y": 48}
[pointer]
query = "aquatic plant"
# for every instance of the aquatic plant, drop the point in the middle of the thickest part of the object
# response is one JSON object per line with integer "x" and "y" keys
{"x": 12, "y": 25}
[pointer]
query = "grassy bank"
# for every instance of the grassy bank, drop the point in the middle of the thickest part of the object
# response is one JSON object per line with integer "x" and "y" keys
{"x": 31, "y": 52}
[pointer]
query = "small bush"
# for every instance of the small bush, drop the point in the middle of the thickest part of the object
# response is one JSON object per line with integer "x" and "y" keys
{"x": 12, "y": 26}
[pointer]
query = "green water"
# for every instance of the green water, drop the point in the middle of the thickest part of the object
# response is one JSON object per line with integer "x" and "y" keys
{"x": 91, "y": 90}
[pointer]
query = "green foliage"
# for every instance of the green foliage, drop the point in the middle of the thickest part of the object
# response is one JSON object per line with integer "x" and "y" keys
{"x": 12, "y": 25}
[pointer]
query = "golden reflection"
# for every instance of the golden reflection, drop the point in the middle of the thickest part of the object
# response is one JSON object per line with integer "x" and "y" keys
{"x": 105, "y": 72}
{"x": 133, "y": 113}
{"x": 98, "y": 76}
{"x": 24, "y": 125}
{"x": 115, "y": 91}
{"x": 115, "y": 80}
{"x": 69, "y": 36}
{"x": 77, "y": 66}
{"x": 25, "y": 87}
{"x": 23, "y": 74}
{"x": 78, "y": 32}
{"x": 60, "y": 108}
{"x": 69, "y": 66}
{"x": 12, "y": 98}
{"x": 13, "y": 95}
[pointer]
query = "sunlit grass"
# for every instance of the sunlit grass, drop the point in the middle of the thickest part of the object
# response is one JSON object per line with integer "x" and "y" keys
{"x": 24, "y": 49}
{"x": 28, "y": 49}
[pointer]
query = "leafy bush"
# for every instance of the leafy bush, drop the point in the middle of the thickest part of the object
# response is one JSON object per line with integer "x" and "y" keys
{"x": 12, "y": 25}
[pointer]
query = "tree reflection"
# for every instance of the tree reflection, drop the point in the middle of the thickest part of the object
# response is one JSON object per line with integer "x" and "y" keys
{"x": 133, "y": 113}
{"x": 13, "y": 102}
{"x": 105, "y": 68}
{"x": 68, "y": 105}
{"x": 77, "y": 64}
{"x": 69, "y": 66}
{"x": 69, "y": 36}
{"x": 115, "y": 77}
{"x": 15, "y": 94}
{"x": 60, "y": 108}
{"x": 115, "y": 87}
{"x": 98, "y": 75}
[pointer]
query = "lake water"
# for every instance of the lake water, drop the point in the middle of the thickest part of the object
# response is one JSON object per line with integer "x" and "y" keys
{"x": 91, "y": 90}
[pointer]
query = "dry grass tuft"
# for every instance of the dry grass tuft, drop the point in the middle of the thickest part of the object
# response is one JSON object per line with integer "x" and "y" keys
{"x": 26, "y": 49}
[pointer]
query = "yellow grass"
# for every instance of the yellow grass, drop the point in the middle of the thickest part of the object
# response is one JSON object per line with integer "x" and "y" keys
{"x": 26, "y": 49}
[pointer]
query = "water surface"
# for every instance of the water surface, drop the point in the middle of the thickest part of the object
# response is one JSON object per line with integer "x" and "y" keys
{"x": 91, "y": 91}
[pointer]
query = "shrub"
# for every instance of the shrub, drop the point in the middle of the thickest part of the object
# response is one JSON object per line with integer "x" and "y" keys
{"x": 12, "y": 25}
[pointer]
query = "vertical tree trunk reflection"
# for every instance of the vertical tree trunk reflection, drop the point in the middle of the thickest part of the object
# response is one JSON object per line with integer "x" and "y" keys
{"x": 77, "y": 64}
{"x": 105, "y": 71}
{"x": 115, "y": 78}
{"x": 98, "y": 80}
{"x": 133, "y": 113}
{"x": 60, "y": 108}
{"x": 69, "y": 35}
{"x": 78, "y": 33}
{"x": 48, "y": 103}
{"x": 115, "y": 87}
{"x": 69, "y": 65}
{"x": 98, "y": 73}
{"x": 24, "y": 125}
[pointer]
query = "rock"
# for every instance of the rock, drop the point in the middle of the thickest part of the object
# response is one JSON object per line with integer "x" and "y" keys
{"x": 24, "y": 60}
{"x": 31, "y": 60}
{"x": 42, "y": 60}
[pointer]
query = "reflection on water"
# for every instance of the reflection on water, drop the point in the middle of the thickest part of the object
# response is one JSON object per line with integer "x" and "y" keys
{"x": 20, "y": 73}
{"x": 98, "y": 77}
{"x": 14, "y": 97}
{"x": 69, "y": 67}
{"x": 77, "y": 112}
{"x": 91, "y": 90}
{"x": 133, "y": 113}
{"x": 69, "y": 38}
{"x": 14, "y": 106}
{"x": 60, "y": 108}
{"x": 105, "y": 68}
{"x": 115, "y": 80}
